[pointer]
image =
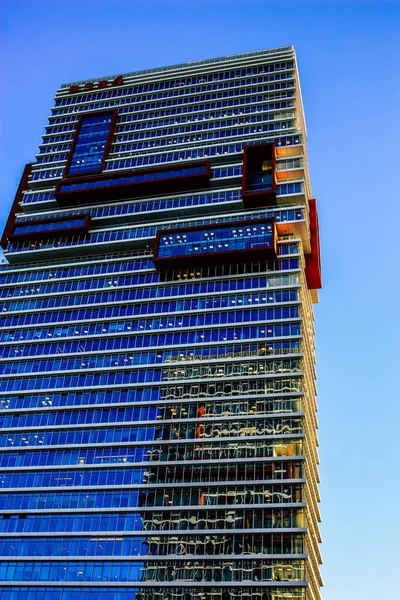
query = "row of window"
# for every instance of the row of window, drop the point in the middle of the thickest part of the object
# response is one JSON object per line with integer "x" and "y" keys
{"x": 47, "y": 149}
{"x": 131, "y": 293}
{"x": 260, "y": 93}
{"x": 182, "y": 87}
{"x": 150, "y": 308}
{"x": 80, "y": 416}
{"x": 185, "y": 81}
{"x": 184, "y": 134}
{"x": 54, "y": 272}
{"x": 204, "y": 448}
{"x": 196, "y": 571}
{"x": 207, "y": 409}
{"x": 131, "y": 455}
{"x": 231, "y": 495}
{"x": 127, "y": 377}
{"x": 231, "y": 369}
{"x": 135, "y": 178}
{"x": 125, "y": 360}
{"x": 128, "y": 395}
{"x": 160, "y": 158}
{"x": 163, "y": 290}
{"x": 111, "y": 281}
{"x": 123, "y": 342}
{"x": 150, "y": 110}
{"x": 128, "y": 413}
{"x": 168, "y": 137}
{"x": 157, "y": 375}
{"x": 50, "y": 226}
{"x": 211, "y": 450}
{"x": 201, "y": 123}
{"x": 158, "y": 475}
{"x": 128, "y": 233}
{"x": 175, "y": 117}
{"x": 221, "y": 239}
{"x": 211, "y": 429}
{"x": 144, "y": 205}
{"x": 164, "y": 521}
{"x": 120, "y": 311}
{"x": 190, "y": 544}
{"x": 289, "y": 163}
{"x": 239, "y": 95}
{"x": 150, "y": 413}
{"x": 196, "y": 153}
{"x": 169, "y": 593}
{"x": 189, "y": 93}
{"x": 172, "y": 106}
{"x": 205, "y": 319}
{"x": 167, "y": 117}
{"x": 195, "y": 131}
{"x": 108, "y": 434}
{"x": 167, "y": 356}
{"x": 135, "y": 433}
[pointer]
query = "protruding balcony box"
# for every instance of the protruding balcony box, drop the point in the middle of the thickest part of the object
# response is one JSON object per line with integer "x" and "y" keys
{"x": 48, "y": 228}
{"x": 156, "y": 181}
{"x": 313, "y": 260}
{"x": 259, "y": 175}
{"x": 98, "y": 153}
{"x": 217, "y": 243}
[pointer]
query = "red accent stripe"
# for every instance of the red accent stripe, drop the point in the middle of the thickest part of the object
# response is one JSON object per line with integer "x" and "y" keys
{"x": 23, "y": 186}
{"x": 313, "y": 260}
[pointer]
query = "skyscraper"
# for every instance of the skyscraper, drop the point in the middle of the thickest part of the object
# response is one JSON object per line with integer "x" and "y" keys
{"x": 157, "y": 395}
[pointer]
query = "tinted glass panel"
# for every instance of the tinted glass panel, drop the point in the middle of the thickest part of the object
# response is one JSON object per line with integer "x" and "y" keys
{"x": 91, "y": 143}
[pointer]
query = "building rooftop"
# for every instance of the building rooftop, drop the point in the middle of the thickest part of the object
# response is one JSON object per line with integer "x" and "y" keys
{"x": 196, "y": 63}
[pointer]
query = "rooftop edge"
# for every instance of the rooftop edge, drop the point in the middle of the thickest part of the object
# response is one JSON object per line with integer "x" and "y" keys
{"x": 194, "y": 63}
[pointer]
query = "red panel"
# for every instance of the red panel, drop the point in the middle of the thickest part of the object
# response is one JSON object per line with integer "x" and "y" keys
{"x": 23, "y": 186}
{"x": 253, "y": 156}
{"x": 214, "y": 258}
{"x": 120, "y": 191}
{"x": 52, "y": 233}
{"x": 313, "y": 260}
{"x": 108, "y": 143}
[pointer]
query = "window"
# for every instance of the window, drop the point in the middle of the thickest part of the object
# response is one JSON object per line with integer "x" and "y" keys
{"x": 90, "y": 146}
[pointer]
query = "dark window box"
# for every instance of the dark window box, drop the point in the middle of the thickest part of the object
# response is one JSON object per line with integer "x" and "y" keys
{"x": 259, "y": 175}
{"x": 137, "y": 184}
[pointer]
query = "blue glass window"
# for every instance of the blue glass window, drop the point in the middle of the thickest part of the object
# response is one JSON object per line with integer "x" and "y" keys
{"x": 221, "y": 239}
{"x": 137, "y": 178}
{"x": 50, "y": 226}
{"x": 90, "y": 145}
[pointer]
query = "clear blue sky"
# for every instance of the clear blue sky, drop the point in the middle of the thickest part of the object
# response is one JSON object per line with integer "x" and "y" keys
{"x": 348, "y": 54}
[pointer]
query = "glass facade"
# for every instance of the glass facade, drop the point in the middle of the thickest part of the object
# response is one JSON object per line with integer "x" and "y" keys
{"x": 218, "y": 240}
{"x": 71, "y": 187}
{"x": 90, "y": 144}
{"x": 157, "y": 398}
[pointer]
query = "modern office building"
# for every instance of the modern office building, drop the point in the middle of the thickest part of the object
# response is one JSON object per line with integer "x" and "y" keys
{"x": 158, "y": 414}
